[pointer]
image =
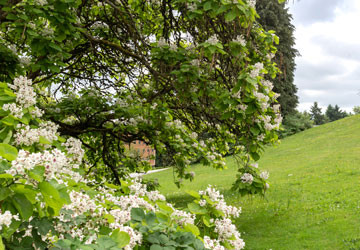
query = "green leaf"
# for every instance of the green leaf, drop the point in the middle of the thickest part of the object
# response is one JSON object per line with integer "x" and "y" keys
{"x": 196, "y": 209}
{"x": 109, "y": 218}
{"x": 37, "y": 173}
{"x": 137, "y": 214}
{"x": 51, "y": 196}
{"x": 9, "y": 93}
{"x": 8, "y": 137}
{"x": 255, "y": 156}
{"x": 156, "y": 247}
{"x": 7, "y": 98}
{"x": 43, "y": 225}
{"x": 43, "y": 140}
{"x": 2, "y": 247}
{"x": 231, "y": 15}
{"x": 222, "y": 9}
{"x": 163, "y": 206}
{"x": 23, "y": 205}
{"x": 8, "y": 152}
{"x": 150, "y": 218}
{"x": 8, "y": 120}
{"x": 206, "y": 221}
{"x": 120, "y": 237}
{"x": 6, "y": 176}
{"x": 4, "y": 193}
{"x": 207, "y": 5}
{"x": 192, "y": 229}
{"x": 254, "y": 130}
{"x": 193, "y": 194}
{"x": 55, "y": 46}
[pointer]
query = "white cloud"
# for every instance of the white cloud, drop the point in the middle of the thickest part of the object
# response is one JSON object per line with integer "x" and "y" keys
{"x": 328, "y": 40}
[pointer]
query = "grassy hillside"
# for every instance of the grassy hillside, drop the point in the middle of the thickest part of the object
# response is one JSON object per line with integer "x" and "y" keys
{"x": 314, "y": 198}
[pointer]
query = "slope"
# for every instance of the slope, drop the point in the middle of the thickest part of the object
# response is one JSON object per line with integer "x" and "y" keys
{"x": 313, "y": 202}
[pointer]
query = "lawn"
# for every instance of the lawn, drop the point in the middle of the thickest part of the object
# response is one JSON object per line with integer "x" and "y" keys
{"x": 313, "y": 201}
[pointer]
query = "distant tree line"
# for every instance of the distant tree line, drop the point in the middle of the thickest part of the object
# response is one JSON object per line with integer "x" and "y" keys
{"x": 332, "y": 113}
{"x": 300, "y": 121}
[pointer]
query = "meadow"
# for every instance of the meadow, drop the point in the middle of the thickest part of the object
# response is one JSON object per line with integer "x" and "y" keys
{"x": 313, "y": 201}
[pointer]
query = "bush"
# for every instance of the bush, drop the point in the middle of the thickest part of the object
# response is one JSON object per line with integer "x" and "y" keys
{"x": 295, "y": 123}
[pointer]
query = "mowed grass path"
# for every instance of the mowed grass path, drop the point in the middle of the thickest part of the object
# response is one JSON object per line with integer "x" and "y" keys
{"x": 314, "y": 196}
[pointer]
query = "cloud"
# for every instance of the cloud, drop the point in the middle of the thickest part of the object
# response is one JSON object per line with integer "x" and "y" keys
{"x": 310, "y": 11}
{"x": 328, "y": 70}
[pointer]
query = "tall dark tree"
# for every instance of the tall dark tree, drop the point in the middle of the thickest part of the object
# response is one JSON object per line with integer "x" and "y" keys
{"x": 335, "y": 113}
{"x": 275, "y": 16}
{"x": 316, "y": 114}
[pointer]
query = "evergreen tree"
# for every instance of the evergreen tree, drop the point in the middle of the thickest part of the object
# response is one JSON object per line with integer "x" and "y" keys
{"x": 316, "y": 114}
{"x": 334, "y": 113}
{"x": 275, "y": 16}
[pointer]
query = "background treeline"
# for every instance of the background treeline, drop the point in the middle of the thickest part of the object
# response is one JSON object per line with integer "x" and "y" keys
{"x": 300, "y": 121}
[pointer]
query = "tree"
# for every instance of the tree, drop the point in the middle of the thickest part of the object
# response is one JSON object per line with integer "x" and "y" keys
{"x": 356, "y": 110}
{"x": 275, "y": 16}
{"x": 157, "y": 71}
{"x": 334, "y": 113}
{"x": 316, "y": 114}
{"x": 47, "y": 202}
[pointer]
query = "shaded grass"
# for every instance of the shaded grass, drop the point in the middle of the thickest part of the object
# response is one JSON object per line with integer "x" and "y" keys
{"x": 313, "y": 201}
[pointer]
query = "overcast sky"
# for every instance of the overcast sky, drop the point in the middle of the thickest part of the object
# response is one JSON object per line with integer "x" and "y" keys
{"x": 328, "y": 39}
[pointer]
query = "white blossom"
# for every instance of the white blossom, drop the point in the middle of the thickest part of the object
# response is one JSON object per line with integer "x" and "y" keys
{"x": 213, "y": 40}
{"x": 247, "y": 178}
{"x": 264, "y": 175}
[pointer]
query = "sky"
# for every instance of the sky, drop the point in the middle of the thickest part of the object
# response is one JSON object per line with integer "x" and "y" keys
{"x": 328, "y": 39}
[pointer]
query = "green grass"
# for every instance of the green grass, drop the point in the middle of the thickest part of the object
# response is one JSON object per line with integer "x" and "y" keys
{"x": 314, "y": 196}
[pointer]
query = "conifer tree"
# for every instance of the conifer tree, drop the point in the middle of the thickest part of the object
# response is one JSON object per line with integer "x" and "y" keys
{"x": 316, "y": 114}
{"x": 275, "y": 16}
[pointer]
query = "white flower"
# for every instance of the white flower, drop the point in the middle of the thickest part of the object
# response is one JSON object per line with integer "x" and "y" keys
{"x": 202, "y": 203}
{"x": 252, "y": 3}
{"x": 240, "y": 39}
{"x": 40, "y": 2}
{"x": 14, "y": 109}
{"x": 25, "y": 94}
{"x": 256, "y": 69}
{"x": 247, "y": 178}
{"x": 212, "y": 40}
{"x": 162, "y": 42}
{"x": 6, "y": 219}
{"x": 264, "y": 175}
{"x": 192, "y": 6}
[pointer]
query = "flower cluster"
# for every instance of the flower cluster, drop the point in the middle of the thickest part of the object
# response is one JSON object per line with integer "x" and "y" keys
{"x": 73, "y": 148}
{"x": 240, "y": 39}
{"x": 28, "y": 136}
{"x": 247, "y": 178}
{"x": 6, "y": 218}
{"x": 213, "y": 40}
{"x": 226, "y": 231}
{"x": 14, "y": 109}
{"x": 25, "y": 94}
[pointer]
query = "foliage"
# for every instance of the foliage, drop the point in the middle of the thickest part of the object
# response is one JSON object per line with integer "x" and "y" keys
{"x": 356, "y": 110}
{"x": 162, "y": 72}
{"x": 316, "y": 114}
{"x": 334, "y": 113}
{"x": 295, "y": 123}
{"x": 46, "y": 203}
{"x": 275, "y": 16}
